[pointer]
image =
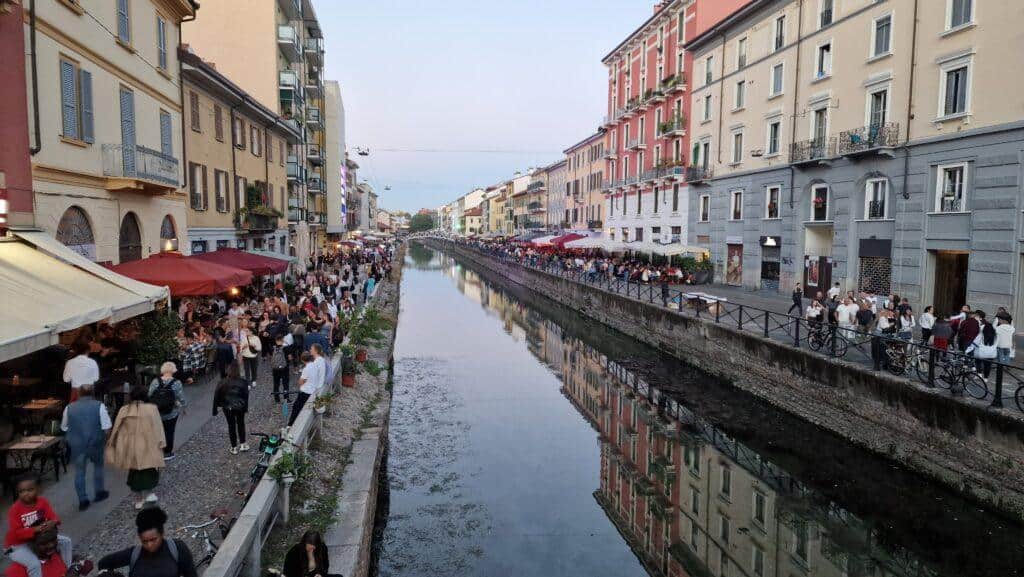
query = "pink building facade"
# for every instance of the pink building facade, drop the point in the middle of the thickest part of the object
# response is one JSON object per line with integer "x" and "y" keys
{"x": 15, "y": 166}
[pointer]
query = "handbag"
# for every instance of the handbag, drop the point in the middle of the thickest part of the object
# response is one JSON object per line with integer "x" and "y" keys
{"x": 255, "y": 344}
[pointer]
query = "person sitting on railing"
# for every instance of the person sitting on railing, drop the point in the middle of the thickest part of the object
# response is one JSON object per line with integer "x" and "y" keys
{"x": 154, "y": 556}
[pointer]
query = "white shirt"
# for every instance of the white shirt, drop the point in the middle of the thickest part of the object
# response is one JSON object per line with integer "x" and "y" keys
{"x": 926, "y": 321}
{"x": 321, "y": 364}
{"x": 81, "y": 370}
{"x": 1004, "y": 336}
{"x": 846, "y": 314}
{"x": 105, "y": 423}
{"x": 308, "y": 379}
{"x": 834, "y": 291}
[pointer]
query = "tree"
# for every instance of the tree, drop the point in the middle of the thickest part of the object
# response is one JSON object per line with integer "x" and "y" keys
{"x": 421, "y": 222}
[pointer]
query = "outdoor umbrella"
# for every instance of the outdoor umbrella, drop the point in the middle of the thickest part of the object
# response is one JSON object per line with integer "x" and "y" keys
{"x": 254, "y": 263}
{"x": 185, "y": 276}
{"x": 560, "y": 241}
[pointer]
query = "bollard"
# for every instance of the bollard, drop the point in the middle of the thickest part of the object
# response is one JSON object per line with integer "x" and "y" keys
{"x": 284, "y": 504}
{"x": 766, "y": 324}
{"x": 997, "y": 401}
{"x": 796, "y": 334}
{"x": 740, "y": 324}
{"x": 932, "y": 357}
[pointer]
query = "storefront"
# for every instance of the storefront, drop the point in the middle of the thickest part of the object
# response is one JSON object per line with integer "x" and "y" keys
{"x": 771, "y": 261}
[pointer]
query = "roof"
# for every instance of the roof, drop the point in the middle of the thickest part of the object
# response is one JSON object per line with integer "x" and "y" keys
{"x": 639, "y": 29}
{"x": 600, "y": 133}
{"x": 725, "y": 24}
{"x": 473, "y": 212}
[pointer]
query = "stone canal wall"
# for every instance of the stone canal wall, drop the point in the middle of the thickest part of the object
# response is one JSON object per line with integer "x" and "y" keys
{"x": 975, "y": 451}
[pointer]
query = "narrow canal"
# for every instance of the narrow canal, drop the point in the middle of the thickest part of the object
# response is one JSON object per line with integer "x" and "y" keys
{"x": 527, "y": 440}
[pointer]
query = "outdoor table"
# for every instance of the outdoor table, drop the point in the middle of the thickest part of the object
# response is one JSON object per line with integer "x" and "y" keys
{"x": 34, "y": 413}
{"x": 26, "y": 451}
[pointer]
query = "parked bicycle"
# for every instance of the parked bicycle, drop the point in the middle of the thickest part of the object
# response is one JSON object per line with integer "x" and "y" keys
{"x": 210, "y": 547}
{"x": 268, "y": 447}
{"x": 955, "y": 373}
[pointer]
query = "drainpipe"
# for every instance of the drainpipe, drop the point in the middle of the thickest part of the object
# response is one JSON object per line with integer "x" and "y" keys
{"x": 906, "y": 145}
{"x": 181, "y": 99}
{"x": 792, "y": 124}
{"x": 721, "y": 99}
{"x": 234, "y": 165}
{"x": 35, "y": 79}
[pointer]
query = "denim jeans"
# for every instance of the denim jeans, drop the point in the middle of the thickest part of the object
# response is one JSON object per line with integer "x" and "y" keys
{"x": 1003, "y": 356}
{"x": 79, "y": 461}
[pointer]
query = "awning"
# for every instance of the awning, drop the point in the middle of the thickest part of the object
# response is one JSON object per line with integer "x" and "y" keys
{"x": 185, "y": 276}
{"x": 543, "y": 240}
{"x": 232, "y": 257}
{"x": 560, "y": 241}
{"x": 286, "y": 258}
{"x": 42, "y": 295}
{"x": 673, "y": 249}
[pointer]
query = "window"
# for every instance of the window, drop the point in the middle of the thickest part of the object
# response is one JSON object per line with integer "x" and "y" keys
{"x": 881, "y": 41}
{"x": 280, "y": 151}
{"x": 705, "y": 208}
{"x": 819, "y": 127}
{"x": 740, "y": 97}
{"x": 955, "y": 78}
{"x": 877, "y": 190}
{"x": 76, "y": 102}
{"x": 197, "y": 186}
{"x": 218, "y": 122}
{"x": 193, "y": 110}
{"x": 270, "y": 148}
{"x": 819, "y": 202}
{"x": 960, "y": 13}
{"x": 709, "y": 70}
{"x": 723, "y": 563}
{"x": 675, "y": 203}
{"x": 774, "y": 130}
{"x": 737, "y": 147}
{"x": 639, "y": 202}
{"x": 238, "y": 133}
{"x": 639, "y": 238}
{"x": 741, "y": 52}
{"x": 656, "y": 200}
{"x": 161, "y": 42}
{"x": 694, "y": 534}
{"x": 823, "y": 62}
{"x": 124, "y": 27}
{"x": 220, "y": 186}
{"x": 825, "y": 14}
{"x": 726, "y": 488}
{"x": 255, "y": 140}
{"x": 780, "y": 34}
{"x": 760, "y": 506}
{"x": 878, "y": 109}
{"x": 771, "y": 198}
{"x": 706, "y": 110}
{"x": 166, "y": 131}
{"x": 801, "y": 542}
{"x": 777, "y": 79}
{"x": 952, "y": 184}
{"x": 757, "y": 562}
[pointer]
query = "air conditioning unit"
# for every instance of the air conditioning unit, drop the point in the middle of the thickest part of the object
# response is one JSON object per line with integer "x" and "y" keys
{"x": 666, "y": 238}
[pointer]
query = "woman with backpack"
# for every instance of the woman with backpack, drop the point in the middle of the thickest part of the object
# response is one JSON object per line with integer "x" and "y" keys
{"x": 232, "y": 395}
{"x": 168, "y": 394}
{"x": 136, "y": 444}
{"x": 154, "y": 555}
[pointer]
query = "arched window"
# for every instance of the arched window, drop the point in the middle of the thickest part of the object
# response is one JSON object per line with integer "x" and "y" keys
{"x": 168, "y": 235}
{"x": 130, "y": 241}
{"x": 75, "y": 232}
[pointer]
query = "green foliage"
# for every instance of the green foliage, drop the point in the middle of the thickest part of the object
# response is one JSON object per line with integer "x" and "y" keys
{"x": 290, "y": 463}
{"x": 157, "y": 338}
{"x": 349, "y": 367}
{"x": 372, "y": 368}
{"x": 421, "y": 222}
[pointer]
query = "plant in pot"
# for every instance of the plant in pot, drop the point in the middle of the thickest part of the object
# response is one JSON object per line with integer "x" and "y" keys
{"x": 157, "y": 341}
{"x": 349, "y": 370}
{"x": 372, "y": 368}
{"x": 290, "y": 466}
{"x": 322, "y": 402}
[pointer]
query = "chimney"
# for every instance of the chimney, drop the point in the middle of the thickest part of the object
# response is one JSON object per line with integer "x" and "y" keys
{"x": 658, "y": 6}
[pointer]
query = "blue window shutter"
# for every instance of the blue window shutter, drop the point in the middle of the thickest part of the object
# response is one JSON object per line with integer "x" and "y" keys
{"x": 161, "y": 42}
{"x": 128, "y": 131}
{"x": 69, "y": 99}
{"x": 86, "y": 89}
{"x": 124, "y": 31}
{"x": 166, "y": 146}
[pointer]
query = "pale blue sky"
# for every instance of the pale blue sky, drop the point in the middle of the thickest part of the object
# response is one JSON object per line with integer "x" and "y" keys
{"x": 461, "y": 75}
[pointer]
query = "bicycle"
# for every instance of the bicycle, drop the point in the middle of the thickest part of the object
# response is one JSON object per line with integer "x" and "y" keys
{"x": 959, "y": 375}
{"x": 268, "y": 447}
{"x": 821, "y": 339}
{"x": 209, "y": 547}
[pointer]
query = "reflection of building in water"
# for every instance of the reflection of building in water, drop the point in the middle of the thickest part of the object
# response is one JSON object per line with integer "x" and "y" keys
{"x": 690, "y": 500}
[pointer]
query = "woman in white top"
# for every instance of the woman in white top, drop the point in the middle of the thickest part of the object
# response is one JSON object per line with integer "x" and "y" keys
{"x": 905, "y": 325}
{"x": 926, "y": 322}
{"x": 984, "y": 349}
{"x": 1004, "y": 339}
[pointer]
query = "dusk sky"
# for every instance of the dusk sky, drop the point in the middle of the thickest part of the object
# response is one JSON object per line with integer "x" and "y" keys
{"x": 454, "y": 94}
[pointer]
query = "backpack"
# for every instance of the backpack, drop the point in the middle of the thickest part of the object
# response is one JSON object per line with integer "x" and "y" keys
{"x": 278, "y": 360}
{"x": 172, "y": 548}
{"x": 163, "y": 397}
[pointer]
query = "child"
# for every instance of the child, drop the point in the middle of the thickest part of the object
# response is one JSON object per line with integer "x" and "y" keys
{"x": 30, "y": 515}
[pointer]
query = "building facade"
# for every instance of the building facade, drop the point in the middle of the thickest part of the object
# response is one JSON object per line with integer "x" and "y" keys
{"x": 334, "y": 165}
{"x": 107, "y": 165}
{"x": 583, "y": 197}
{"x": 16, "y": 196}
{"x": 840, "y": 149}
{"x": 235, "y": 151}
{"x": 286, "y": 75}
{"x": 555, "y": 201}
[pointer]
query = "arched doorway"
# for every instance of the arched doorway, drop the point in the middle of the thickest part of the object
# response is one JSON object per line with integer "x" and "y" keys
{"x": 130, "y": 240}
{"x": 75, "y": 232}
{"x": 168, "y": 235}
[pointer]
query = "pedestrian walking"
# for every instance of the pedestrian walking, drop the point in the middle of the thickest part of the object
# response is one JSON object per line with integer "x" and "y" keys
{"x": 81, "y": 369}
{"x": 250, "y": 346}
{"x": 85, "y": 423}
{"x": 168, "y": 395}
{"x": 232, "y": 396}
{"x": 279, "y": 360}
{"x": 155, "y": 555}
{"x": 137, "y": 444}
{"x": 798, "y": 300}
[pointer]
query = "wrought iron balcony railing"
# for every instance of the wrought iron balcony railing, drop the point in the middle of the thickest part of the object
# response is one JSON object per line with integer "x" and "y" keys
{"x": 813, "y": 150}
{"x": 870, "y": 138}
{"x": 134, "y": 161}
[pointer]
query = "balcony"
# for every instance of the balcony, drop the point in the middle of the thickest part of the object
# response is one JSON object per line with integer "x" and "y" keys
{"x": 674, "y": 127}
{"x": 292, "y": 8}
{"x": 535, "y": 186}
{"x": 656, "y": 96}
{"x": 674, "y": 83}
{"x": 315, "y": 185}
{"x": 254, "y": 222}
{"x": 698, "y": 174}
{"x": 290, "y": 94}
{"x": 594, "y": 224}
{"x": 876, "y": 210}
{"x": 296, "y": 215}
{"x": 813, "y": 152}
{"x": 313, "y": 119}
{"x": 314, "y": 86}
{"x": 610, "y": 154}
{"x": 673, "y": 171}
{"x": 314, "y": 155}
{"x": 139, "y": 168}
{"x": 632, "y": 107}
{"x": 296, "y": 171}
{"x": 876, "y": 139}
{"x": 636, "y": 144}
{"x": 631, "y": 180}
{"x": 650, "y": 175}
{"x": 535, "y": 207}
{"x": 288, "y": 42}
{"x": 314, "y": 48}
{"x": 316, "y": 218}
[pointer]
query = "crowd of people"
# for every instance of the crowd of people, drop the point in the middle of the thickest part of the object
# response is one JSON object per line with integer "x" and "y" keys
{"x": 292, "y": 326}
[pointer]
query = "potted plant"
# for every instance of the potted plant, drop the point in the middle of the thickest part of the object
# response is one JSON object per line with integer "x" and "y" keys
{"x": 290, "y": 466}
{"x": 322, "y": 402}
{"x": 349, "y": 370}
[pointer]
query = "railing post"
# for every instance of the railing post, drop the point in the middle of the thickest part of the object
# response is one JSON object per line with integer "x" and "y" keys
{"x": 766, "y": 324}
{"x": 932, "y": 357}
{"x": 877, "y": 348}
{"x": 740, "y": 324}
{"x": 718, "y": 312}
{"x": 832, "y": 341}
{"x": 796, "y": 334}
{"x": 254, "y": 562}
{"x": 997, "y": 401}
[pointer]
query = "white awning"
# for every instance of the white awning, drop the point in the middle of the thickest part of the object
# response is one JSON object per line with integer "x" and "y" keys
{"x": 673, "y": 249}
{"x": 45, "y": 291}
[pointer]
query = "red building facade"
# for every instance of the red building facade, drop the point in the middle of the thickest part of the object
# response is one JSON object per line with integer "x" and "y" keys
{"x": 15, "y": 165}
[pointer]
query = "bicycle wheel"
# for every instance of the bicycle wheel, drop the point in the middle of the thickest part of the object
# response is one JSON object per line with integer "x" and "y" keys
{"x": 814, "y": 341}
{"x": 1018, "y": 397}
{"x": 842, "y": 345}
{"x": 974, "y": 385}
{"x": 921, "y": 368}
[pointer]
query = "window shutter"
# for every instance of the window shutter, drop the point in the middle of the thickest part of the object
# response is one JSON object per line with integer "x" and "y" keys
{"x": 218, "y": 122}
{"x": 123, "y": 28}
{"x": 270, "y": 148}
{"x": 206, "y": 190}
{"x": 128, "y": 131}
{"x": 192, "y": 193}
{"x": 961, "y": 90}
{"x": 161, "y": 42}
{"x": 950, "y": 105}
{"x": 193, "y": 102}
{"x": 86, "y": 89}
{"x": 69, "y": 99}
{"x": 166, "y": 145}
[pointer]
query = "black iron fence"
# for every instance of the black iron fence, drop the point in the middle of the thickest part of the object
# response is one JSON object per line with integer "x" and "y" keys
{"x": 985, "y": 381}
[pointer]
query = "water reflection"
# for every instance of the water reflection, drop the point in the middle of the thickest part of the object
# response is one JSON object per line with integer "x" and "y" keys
{"x": 691, "y": 500}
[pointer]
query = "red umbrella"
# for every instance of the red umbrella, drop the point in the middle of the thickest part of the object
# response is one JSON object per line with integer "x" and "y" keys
{"x": 185, "y": 276}
{"x": 560, "y": 241}
{"x": 254, "y": 263}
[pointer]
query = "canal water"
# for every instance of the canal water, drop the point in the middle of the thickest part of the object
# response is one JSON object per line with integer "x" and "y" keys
{"x": 527, "y": 440}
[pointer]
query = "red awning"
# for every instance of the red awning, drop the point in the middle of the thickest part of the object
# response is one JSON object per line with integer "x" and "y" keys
{"x": 185, "y": 276}
{"x": 560, "y": 241}
{"x": 254, "y": 263}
